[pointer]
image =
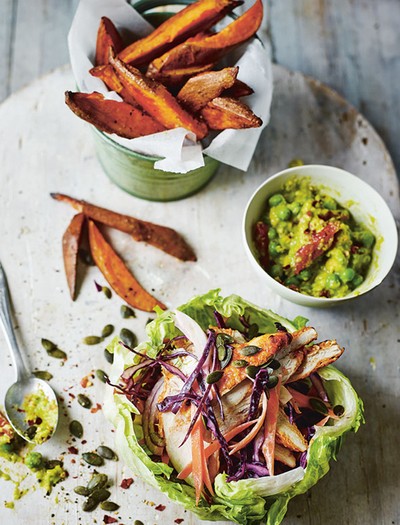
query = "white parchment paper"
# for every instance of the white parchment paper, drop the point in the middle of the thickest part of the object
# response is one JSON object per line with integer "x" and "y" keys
{"x": 178, "y": 148}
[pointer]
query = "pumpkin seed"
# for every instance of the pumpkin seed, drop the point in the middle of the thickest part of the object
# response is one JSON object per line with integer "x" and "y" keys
{"x": 109, "y": 506}
{"x": 126, "y": 312}
{"x": 93, "y": 459}
{"x": 92, "y": 340}
{"x": 52, "y": 463}
{"x": 221, "y": 352}
{"x": 107, "y": 331}
{"x": 48, "y": 345}
{"x": 30, "y": 432}
{"x": 138, "y": 522}
{"x": 106, "y": 291}
{"x": 239, "y": 363}
{"x": 76, "y": 429}
{"x": 109, "y": 356}
{"x": 252, "y": 331}
{"x": 106, "y": 452}
{"x": 274, "y": 364}
{"x": 81, "y": 490}
{"x": 43, "y": 374}
{"x": 272, "y": 382}
{"x": 338, "y": 410}
{"x": 97, "y": 481}
{"x": 250, "y": 350}
{"x": 252, "y": 371}
{"x": 227, "y": 359}
{"x": 319, "y": 406}
{"x": 86, "y": 257}
{"x": 100, "y": 374}
{"x": 128, "y": 337}
{"x": 89, "y": 504}
{"x": 84, "y": 401}
{"x": 57, "y": 353}
{"x": 223, "y": 339}
{"x": 214, "y": 377}
{"x": 100, "y": 495}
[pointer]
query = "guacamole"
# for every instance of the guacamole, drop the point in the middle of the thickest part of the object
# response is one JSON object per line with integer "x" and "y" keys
{"x": 308, "y": 242}
{"x": 41, "y": 414}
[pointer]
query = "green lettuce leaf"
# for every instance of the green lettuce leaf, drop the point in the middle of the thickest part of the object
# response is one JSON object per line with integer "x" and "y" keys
{"x": 247, "y": 502}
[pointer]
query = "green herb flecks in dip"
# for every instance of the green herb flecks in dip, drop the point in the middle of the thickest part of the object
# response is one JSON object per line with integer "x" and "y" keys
{"x": 311, "y": 244}
{"x": 41, "y": 414}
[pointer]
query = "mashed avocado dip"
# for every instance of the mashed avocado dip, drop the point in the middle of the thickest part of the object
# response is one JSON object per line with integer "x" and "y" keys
{"x": 311, "y": 244}
{"x": 41, "y": 414}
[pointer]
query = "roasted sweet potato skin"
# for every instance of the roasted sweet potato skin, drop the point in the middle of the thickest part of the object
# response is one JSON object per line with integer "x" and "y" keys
{"x": 111, "y": 116}
{"x": 212, "y": 48}
{"x": 117, "y": 274}
{"x": 156, "y": 100}
{"x": 196, "y": 17}
{"x": 161, "y": 237}
{"x": 239, "y": 89}
{"x": 201, "y": 89}
{"x": 70, "y": 246}
{"x": 229, "y": 113}
{"x": 107, "y": 36}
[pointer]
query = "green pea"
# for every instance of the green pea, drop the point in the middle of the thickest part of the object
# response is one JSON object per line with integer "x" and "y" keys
{"x": 329, "y": 203}
{"x": 304, "y": 275}
{"x": 34, "y": 460}
{"x": 295, "y": 207}
{"x": 358, "y": 279}
{"x": 272, "y": 234}
{"x": 292, "y": 281}
{"x": 276, "y": 199}
{"x": 276, "y": 270}
{"x": 333, "y": 281}
{"x": 284, "y": 213}
{"x": 275, "y": 249}
{"x": 367, "y": 239}
{"x": 347, "y": 275}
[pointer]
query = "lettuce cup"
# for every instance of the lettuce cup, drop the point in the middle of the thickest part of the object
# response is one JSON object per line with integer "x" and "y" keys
{"x": 229, "y": 409}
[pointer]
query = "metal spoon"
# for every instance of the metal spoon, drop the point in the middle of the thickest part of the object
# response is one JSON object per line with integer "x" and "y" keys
{"x": 26, "y": 383}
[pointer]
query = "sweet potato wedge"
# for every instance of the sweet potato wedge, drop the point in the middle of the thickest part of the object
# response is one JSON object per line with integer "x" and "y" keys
{"x": 112, "y": 117}
{"x": 70, "y": 246}
{"x": 201, "y": 89}
{"x": 239, "y": 89}
{"x": 225, "y": 112}
{"x": 156, "y": 100}
{"x": 194, "y": 18}
{"x": 107, "y": 74}
{"x": 117, "y": 274}
{"x": 107, "y": 36}
{"x": 177, "y": 77}
{"x": 161, "y": 237}
{"x": 212, "y": 48}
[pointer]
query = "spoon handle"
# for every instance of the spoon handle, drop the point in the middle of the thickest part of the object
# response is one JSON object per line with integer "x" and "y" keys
{"x": 6, "y": 322}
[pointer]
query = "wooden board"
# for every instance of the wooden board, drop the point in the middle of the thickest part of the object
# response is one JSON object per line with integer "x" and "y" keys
{"x": 44, "y": 148}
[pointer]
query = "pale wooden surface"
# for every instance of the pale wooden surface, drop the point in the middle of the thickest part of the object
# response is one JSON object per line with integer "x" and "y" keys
{"x": 362, "y": 489}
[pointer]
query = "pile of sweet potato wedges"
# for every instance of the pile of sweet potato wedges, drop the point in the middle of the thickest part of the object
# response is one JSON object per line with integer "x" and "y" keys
{"x": 167, "y": 79}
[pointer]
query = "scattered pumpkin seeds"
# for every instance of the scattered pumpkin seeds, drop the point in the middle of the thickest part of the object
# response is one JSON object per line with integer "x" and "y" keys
{"x": 93, "y": 459}
{"x": 100, "y": 495}
{"x": 43, "y": 374}
{"x": 109, "y": 356}
{"x": 100, "y": 374}
{"x": 89, "y": 504}
{"x": 128, "y": 337}
{"x": 319, "y": 406}
{"x": 76, "y": 429}
{"x": 221, "y": 352}
{"x": 106, "y": 291}
{"x": 107, "y": 330}
{"x": 109, "y": 506}
{"x": 106, "y": 452}
{"x": 338, "y": 410}
{"x": 214, "y": 377}
{"x": 272, "y": 382}
{"x": 57, "y": 353}
{"x": 274, "y": 364}
{"x": 30, "y": 432}
{"x": 97, "y": 481}
{"x": 138, "y": 522}
{"x": 52, "y": 463}
{"x": 250, "y": 350}
{"x": 252, "y": 371}
{"x": 227, "y": 359}
{"x": 81, "y": 490}
{"x": 126, "y": 312}
{"x": 84, "y": 401}
{"x": 48, "y": 345}
{"x": 239, "y": 363}
{"x": 92, "y": 340}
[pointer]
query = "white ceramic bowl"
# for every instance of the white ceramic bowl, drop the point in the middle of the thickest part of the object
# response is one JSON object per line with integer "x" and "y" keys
{"x": 367, "y": 207}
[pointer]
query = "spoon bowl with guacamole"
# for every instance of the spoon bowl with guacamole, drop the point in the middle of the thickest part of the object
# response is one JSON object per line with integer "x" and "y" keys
{"x": 31, "y": 405}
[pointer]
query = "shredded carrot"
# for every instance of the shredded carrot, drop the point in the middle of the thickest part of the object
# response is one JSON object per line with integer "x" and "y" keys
{"x": 201, "y": 475}
{"x": 215, "y": 445}
{"x": 323, "y": 422}
{"x": 304, "y": 401}
{"x": 165, "y": 457}
{"x": 268, "y": 447}
{"x": 254, "y": 431}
